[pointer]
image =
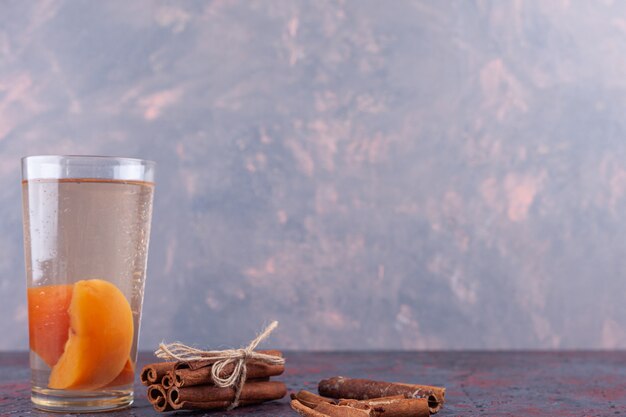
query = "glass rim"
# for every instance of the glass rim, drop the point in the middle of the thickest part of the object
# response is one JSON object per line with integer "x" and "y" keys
{"x": 52, "y": 158}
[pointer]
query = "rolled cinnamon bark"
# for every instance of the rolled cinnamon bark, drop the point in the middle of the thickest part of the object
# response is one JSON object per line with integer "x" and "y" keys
{"x": 154, "y": 372}
{"x": 307, "y": 403}
{"x": 396, "y": 406}
{"x": 305, "y": 411}
{"x": 168, "y": 380}
{"x": 364, "y": 389}
{"x": 309, "y": 399}
{"x": 252, "y": 391}
{"x": 187, "y": 377}
{"x": 209, "y": 405}
{"x": 333, "y": 410}
{"x": 157, "y": 396}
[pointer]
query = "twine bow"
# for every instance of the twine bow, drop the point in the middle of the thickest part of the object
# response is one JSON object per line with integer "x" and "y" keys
{"x": 239, "y": 357}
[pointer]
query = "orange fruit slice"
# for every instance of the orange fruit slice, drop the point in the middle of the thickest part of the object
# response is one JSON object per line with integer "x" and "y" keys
{"x": 100, "y": 337}
{"x": 49, "y": 320}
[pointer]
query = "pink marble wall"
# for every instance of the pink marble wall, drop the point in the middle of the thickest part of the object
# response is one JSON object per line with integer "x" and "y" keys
{"x": 393, "y": 175}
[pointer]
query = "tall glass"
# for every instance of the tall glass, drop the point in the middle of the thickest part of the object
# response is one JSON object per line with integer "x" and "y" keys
{"x": 86, "y": 231}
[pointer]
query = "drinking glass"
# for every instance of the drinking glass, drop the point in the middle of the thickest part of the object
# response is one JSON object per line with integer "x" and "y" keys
{"x": 86, "y": 232}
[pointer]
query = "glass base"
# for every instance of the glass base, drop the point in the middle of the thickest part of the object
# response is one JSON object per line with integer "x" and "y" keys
{"x": 61, "y": 401}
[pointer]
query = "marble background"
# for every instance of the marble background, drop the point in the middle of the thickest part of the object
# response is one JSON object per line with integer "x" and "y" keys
{"x": 374, "y": 175}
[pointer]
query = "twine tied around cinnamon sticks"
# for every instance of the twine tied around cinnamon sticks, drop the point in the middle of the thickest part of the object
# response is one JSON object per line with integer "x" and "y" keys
{"x": 239, "y": 357}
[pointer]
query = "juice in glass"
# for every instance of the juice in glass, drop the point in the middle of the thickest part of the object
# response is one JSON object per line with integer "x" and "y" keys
{"x": 86, "y": 232}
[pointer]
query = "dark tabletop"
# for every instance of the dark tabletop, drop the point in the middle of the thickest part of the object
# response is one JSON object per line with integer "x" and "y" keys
{"x": 477, "y": 383}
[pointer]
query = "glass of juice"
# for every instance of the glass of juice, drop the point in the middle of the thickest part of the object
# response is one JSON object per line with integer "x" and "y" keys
{"x": 86, "y": 231}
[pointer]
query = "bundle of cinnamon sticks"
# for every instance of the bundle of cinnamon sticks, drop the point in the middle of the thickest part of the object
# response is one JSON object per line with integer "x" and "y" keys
{"x": 189, "y": 386}
{"x": 348, "y": 397}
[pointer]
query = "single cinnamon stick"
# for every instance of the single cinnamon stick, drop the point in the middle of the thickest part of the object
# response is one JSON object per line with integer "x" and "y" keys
{"x": 168, "y": 380}
{"x": 363, "y": 389}
{"x": 309, "y": 399}
{"x": 187, "y": 377}
{"x": 154, "y": 372}
{"x": 327, "y": 406}
{"x": 396, "y": 406}
{"x": 252, "y": 391}
{"x": 333, "y": 410}
{"x": 157, "y": 396}
{"x": 209, "y": 405}
{"x": 305, "y": 411}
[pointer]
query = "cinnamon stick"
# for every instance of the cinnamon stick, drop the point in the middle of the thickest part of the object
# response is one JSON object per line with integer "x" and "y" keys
{"x": 251, "y": 391}
{"x": 305, "y": 411}
{"x": 208, "y": 405}
{"x": 157, "y": 396}
{"x": 396, "y": 406}
{"x": 325, "y": 406}
{"x": 154, "y": 372}
{"x": 363, "y": 389}
{"x": 168, "y": 380}
{"x": 309, "y": 399}
{"x": 188, "y": 377}
{"x": 328, "y": 410}
{"x": 333, "y": 410}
